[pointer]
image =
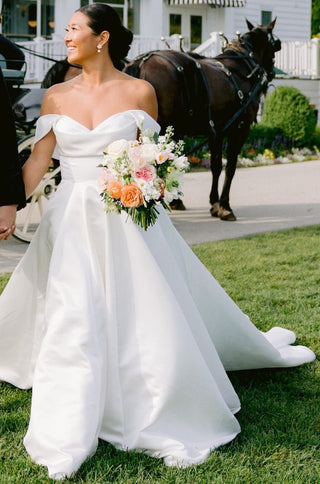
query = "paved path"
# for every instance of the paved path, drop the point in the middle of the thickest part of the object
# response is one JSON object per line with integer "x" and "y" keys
{"x": 264, "y": 199}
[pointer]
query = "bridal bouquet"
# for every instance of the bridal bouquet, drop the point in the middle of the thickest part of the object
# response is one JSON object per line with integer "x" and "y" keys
{"x": 139, "y": 175}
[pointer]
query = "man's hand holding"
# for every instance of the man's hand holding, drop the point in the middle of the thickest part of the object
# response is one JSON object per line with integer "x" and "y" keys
{"x": 7, "y": 221}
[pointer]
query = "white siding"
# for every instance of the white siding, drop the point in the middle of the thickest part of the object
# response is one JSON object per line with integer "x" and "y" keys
{"x": 151, "y": 18}
{"x": 293, "y": 17}
{"x": 63, "y": 12}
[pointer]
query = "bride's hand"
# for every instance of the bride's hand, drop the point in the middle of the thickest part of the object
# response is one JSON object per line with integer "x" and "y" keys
{"x": 7, "y": 221}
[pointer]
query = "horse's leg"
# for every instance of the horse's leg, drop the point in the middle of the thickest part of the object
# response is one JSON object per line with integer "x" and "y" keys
{"x": 215, "y": 146}
{"x": 177, "y": 204}
{"x": 235, "y": 142}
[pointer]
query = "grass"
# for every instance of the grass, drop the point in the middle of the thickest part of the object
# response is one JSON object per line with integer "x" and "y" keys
{"x": 275, "y": 279}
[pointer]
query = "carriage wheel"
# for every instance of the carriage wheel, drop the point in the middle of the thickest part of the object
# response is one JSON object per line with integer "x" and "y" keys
{"x": 29, "y": 217}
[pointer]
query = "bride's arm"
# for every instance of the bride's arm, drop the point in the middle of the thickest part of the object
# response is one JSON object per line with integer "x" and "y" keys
{"x": 38, "y": 162}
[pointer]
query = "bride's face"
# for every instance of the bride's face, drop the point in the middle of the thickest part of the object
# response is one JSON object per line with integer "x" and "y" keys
{"x": 80, "y": 39}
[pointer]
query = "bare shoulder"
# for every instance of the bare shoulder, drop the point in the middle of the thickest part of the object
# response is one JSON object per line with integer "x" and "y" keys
{"x": 54, "y": 96}
{"x": 144, "y": 94}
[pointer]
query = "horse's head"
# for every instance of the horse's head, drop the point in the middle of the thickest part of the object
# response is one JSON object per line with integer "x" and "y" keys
{"x": 263, "y": 45}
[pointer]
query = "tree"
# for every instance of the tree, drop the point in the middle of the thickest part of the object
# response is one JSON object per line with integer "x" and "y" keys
{"x": 315, "y": 18}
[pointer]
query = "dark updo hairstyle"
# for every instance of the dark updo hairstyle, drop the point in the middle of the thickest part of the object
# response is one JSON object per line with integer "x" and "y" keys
{"x": 103, "y": 17}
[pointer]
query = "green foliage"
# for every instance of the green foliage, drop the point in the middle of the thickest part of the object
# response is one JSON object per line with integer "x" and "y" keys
{"x": 288, "y": 109}
{"x": 262, "y": 137}
{"x": 315, "y": 18}
{"x": 274, "y": 278}
{"x": 316, "y": 139}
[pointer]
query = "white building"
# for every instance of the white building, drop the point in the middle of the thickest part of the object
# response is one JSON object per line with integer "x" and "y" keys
{"x": 40, "y": 25}
{"x": 193, "y": 19}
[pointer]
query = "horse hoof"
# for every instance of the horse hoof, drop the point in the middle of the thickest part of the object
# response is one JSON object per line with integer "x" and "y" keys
{"x": 226, "y": 215}
{"x": 214, "y": 210}
{"x": 177, "y": 205}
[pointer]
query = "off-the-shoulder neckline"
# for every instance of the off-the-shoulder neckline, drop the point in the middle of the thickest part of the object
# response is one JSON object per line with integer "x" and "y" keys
{"x": 104, "y": 121}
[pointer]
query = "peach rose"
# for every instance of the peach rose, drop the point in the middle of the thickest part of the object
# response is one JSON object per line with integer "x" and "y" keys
{"x": 131, "y": 196}
{"x": 114, "y": 188}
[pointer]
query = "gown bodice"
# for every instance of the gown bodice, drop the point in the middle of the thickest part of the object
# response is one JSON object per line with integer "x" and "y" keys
{"x": 80, "y": 149}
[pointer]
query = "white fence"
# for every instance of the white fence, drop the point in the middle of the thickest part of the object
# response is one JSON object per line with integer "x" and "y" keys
{"x": 56, "y": 49}
{"x": 299, "y": 59}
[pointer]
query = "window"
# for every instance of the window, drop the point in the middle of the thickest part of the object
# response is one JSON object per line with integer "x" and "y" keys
{"x": 266, "y": 16}
{"x": 175, "y": 24}
{"x": 19, "y": 19}
{"x": 128, "y": 11}
{"x": 195, "y": 31}
{"x": 47, "y": 18}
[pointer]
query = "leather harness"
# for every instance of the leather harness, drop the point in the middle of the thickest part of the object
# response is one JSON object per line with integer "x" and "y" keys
{"x": 257, "y": 72}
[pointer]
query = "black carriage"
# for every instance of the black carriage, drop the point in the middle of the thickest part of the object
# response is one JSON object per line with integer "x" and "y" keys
{"x": 26, "y": 104}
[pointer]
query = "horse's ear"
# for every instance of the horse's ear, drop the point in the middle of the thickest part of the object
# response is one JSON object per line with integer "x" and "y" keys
{"x": 249, "y": 24}
{"x": 271, "y": 25}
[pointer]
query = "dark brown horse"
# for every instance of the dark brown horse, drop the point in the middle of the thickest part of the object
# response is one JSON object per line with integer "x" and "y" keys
{"x": 60, "y": 71}
{"x": 216, "y": 97}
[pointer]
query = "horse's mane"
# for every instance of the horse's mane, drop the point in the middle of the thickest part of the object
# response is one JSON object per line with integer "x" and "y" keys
{"x": 55, "y": 74}
{"x": 133, "y": 67}
{"x": 195, "y": 55}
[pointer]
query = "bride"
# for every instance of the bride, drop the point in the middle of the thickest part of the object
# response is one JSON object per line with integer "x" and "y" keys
{"x": 122, "y": 334}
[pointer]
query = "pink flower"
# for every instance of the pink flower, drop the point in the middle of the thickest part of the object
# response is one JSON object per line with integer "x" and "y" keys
{"x": 147, "y": 173}
{"x": 163, "y": 156}
{"x": 103, "y": 178}
{"x": 106, "y": 176}
{"x": 134, "y": 153}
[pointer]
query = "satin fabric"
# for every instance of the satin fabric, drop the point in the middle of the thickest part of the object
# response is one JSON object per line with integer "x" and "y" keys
{"x": 123, "y": 334}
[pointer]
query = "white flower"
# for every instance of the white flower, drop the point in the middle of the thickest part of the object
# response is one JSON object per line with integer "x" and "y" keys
{"x": 181, "y": 162}
{"x": 283, "y": 159}
{"x": 169, "y": 196}
{"x": 147, "y": 136}
{"x": 148, "y": 190}
{"x": 149, "y": 153}
{"x": 117, "y": 148}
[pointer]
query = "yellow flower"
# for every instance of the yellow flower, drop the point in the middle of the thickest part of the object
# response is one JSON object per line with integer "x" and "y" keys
{"x": 268, "y": 154}
{"x": 169, "y": 169}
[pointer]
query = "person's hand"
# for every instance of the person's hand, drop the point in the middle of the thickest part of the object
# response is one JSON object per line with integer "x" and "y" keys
{"x": 7, "y": 221}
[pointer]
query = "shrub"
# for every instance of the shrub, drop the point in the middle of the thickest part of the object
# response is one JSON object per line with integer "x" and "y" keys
{"x": 288, "y": 109}
{"x": 315, "y": 142}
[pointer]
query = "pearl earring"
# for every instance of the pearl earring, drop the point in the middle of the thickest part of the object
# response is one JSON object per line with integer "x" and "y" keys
{"x": 99, "y": 47}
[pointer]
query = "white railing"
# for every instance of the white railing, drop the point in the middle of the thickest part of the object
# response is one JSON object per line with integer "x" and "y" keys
{"x": 36, "y": 66}
{"x": 141, "y": 44}
{"x": 300, "y": 58}
{"x": 55, "y": 49}
{"x": 296, "y": 58}
{"x": 212, "y": 46}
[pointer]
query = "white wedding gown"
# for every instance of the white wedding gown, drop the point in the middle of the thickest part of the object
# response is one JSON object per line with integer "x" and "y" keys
{"x": 122, "y": 334}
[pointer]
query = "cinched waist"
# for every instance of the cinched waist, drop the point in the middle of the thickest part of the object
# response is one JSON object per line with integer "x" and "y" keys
{"x": 80, "y": 169}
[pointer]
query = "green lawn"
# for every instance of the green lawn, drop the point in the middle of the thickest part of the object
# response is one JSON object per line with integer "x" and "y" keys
{"x": 275, "y": 279}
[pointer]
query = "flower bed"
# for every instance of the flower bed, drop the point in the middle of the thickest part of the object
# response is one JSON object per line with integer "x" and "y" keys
{"x": 253, "y": 158}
